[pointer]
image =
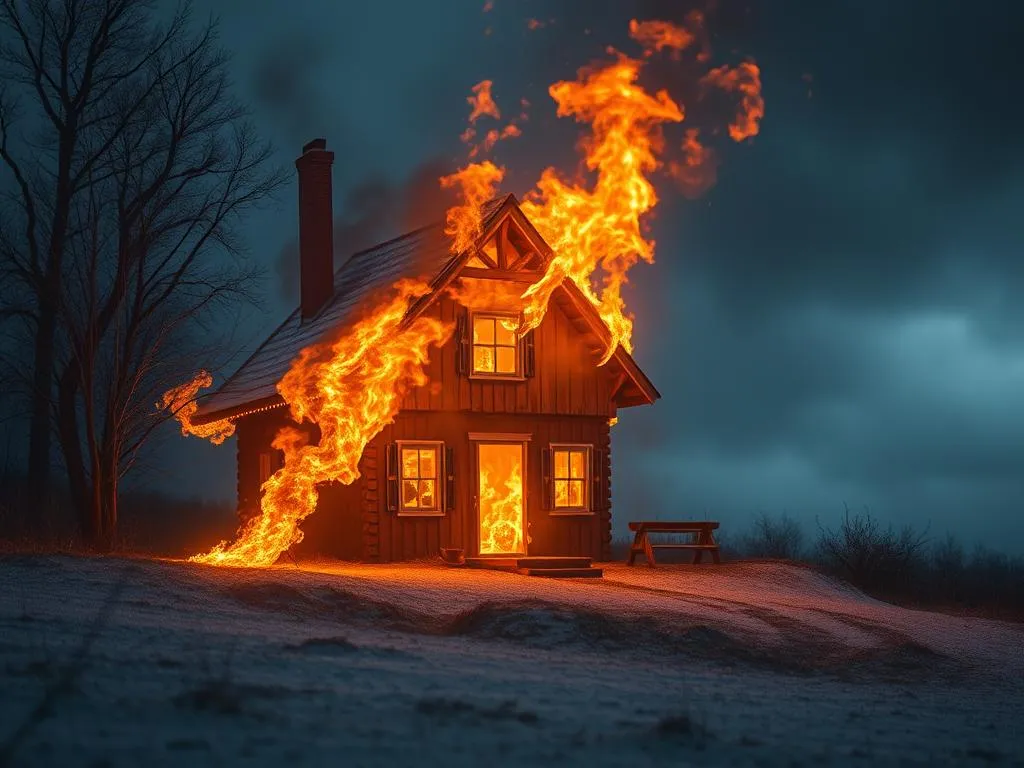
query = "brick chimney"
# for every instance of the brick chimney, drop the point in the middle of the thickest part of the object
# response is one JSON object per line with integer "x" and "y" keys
{"x": 316, "y": 227}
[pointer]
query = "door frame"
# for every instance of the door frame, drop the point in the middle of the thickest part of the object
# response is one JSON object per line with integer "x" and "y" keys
{"x": 522, "y": 439}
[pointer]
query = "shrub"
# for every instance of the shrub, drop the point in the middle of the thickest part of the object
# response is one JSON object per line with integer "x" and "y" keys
{"x": 871, "y": 557}
{"x": 774, "y": 537}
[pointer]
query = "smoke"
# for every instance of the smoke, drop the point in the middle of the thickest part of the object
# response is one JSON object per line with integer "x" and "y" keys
{"x": 372, "y": 211}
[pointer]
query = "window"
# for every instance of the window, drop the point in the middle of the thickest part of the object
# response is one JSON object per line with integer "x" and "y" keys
{"x": 495, "y": 349}
{"x": 419, "y": 466}
{"x": 570, "y": 470}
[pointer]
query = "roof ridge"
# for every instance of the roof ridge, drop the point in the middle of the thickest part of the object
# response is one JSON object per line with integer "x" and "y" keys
{"x": 497, "y": 202}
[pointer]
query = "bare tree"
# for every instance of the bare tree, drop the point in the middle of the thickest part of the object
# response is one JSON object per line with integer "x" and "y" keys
{"x": 70, "y": 73}
{"x": 165, "y": 162}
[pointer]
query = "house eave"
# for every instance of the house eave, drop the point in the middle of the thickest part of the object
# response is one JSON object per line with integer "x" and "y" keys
{"x": 239, "y": 411}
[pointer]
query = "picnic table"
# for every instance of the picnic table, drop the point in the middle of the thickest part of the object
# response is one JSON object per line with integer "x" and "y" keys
{"x": 703, "y": 539}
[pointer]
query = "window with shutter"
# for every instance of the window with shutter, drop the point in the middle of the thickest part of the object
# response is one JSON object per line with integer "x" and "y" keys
{"x": 495, "y": 350}
{"x": 571, "y": 479}
{"x": 421, "y": 478}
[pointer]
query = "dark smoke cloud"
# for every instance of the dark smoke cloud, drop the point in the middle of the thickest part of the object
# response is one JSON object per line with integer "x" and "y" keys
{"x": 284, "y": 84}
{"x": 372, "y": 211}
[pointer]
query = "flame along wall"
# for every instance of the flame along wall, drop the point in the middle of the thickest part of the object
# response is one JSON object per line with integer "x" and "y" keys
{"x": 567, "y": 401}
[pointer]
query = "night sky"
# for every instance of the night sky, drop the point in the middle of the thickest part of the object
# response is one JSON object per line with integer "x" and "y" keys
{"x": 837, "y": 321}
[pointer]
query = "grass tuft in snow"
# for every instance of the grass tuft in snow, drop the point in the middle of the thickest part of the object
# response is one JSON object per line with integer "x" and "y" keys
{"x": 447, "y": 709}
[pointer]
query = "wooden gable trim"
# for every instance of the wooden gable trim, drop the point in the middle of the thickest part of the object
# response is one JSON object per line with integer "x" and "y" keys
{"x": 510, "y": 208}
{"x": 502, "y": 244}
{"x": 647, "y": 391}
{"x": 501, "y": 274}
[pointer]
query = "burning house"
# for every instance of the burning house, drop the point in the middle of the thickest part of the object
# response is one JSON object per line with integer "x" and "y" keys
{"x": 455, "y": 387}
{"x": 501, "y": 440}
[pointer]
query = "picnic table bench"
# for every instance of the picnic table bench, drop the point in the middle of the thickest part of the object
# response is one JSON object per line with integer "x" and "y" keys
{"x": 702, "y": 532}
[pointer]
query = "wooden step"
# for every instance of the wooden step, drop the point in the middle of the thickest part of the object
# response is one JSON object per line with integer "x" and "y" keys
{"x": 493, "y": 563}
{"x": 563, "y": 573}
{"x": 553, "y": 562}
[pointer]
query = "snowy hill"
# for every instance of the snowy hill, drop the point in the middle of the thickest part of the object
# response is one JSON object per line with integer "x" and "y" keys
{"x": 167, "y": 663}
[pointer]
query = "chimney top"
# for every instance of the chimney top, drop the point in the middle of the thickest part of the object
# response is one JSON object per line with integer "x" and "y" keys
{"x": 314, "y": 144}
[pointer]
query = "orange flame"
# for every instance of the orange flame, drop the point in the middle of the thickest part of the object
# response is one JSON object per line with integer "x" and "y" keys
{"x": 746, "y": 79}
{"x": 351, "y": 389}
{"x": 501, "y": 499}
{"x": 697, "y": 171}
{"x": 601, "y": 227}
{"x": 180, "y": 401}
{"x": 482, "y": 102}
{"x": 477, "y": 182}
{"x": 657, "y": 35}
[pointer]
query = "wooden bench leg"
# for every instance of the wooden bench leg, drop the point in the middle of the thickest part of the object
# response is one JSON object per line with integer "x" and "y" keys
{"x": 648, "y": 550}
{"x": 636, "y": 547}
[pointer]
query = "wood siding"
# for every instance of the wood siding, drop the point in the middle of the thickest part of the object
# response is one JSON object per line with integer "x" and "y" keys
{"x": 335, "y": 530}
{"x": 568, "y": 400}
{"x": 567, "y": 380}
{"x": 407, "y": 538}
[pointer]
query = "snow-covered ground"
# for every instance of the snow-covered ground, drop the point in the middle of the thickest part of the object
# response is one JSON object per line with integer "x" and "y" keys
{"x": 140, "y": 662}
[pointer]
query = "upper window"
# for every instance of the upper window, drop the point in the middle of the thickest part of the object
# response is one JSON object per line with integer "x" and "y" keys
{"x": 495, "y": 346}
{"x": 420, "y": 476}
{"x": 570, "y": 471}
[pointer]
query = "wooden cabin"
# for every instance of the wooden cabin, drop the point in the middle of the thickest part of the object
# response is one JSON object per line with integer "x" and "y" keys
{"x": 501, "y": 417}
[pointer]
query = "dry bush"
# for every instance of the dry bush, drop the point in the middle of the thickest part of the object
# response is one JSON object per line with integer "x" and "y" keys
{"x": 779, "y": 538}
{"x": 871, "y": 557}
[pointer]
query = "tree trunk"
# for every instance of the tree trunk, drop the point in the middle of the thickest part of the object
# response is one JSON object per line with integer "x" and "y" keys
{"x": 41, "y": 411}
{"x": 110, "y": 490}
{"x": 82, "y": 497}
{"x": 46, "y": 331}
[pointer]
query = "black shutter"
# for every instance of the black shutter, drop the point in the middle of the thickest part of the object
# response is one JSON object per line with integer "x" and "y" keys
{"x": 599, "y": 483}
{"x": 529, "y": 355}
{"x": 545, "y": 471}
{"x": 391, "y": 467}
{"x": 449, "y": 478}
{"x": 462, "y": 343}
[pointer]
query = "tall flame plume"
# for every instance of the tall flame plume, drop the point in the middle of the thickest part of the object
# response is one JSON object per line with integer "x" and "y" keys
{"x": 350, "y": 388}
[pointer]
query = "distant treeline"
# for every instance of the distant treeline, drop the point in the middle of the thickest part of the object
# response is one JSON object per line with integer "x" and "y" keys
{"x": 903, "y": 565}
{"x": 151, "y": 523}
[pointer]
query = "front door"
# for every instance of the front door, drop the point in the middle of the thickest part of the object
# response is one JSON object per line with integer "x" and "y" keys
{"x": 500, "y": 495}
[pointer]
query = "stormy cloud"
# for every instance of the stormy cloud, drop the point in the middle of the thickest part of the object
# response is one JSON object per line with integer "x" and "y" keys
{"x": 837, "y": 320}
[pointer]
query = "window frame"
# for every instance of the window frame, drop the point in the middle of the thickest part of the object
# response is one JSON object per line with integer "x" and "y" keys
{"x": 440, "y": 479}
{"x": 497, "y": 316}
{"x": 588, "y": 479}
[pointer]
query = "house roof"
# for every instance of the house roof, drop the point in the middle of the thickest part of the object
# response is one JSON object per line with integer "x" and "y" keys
{"x": 423, "y": 253}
